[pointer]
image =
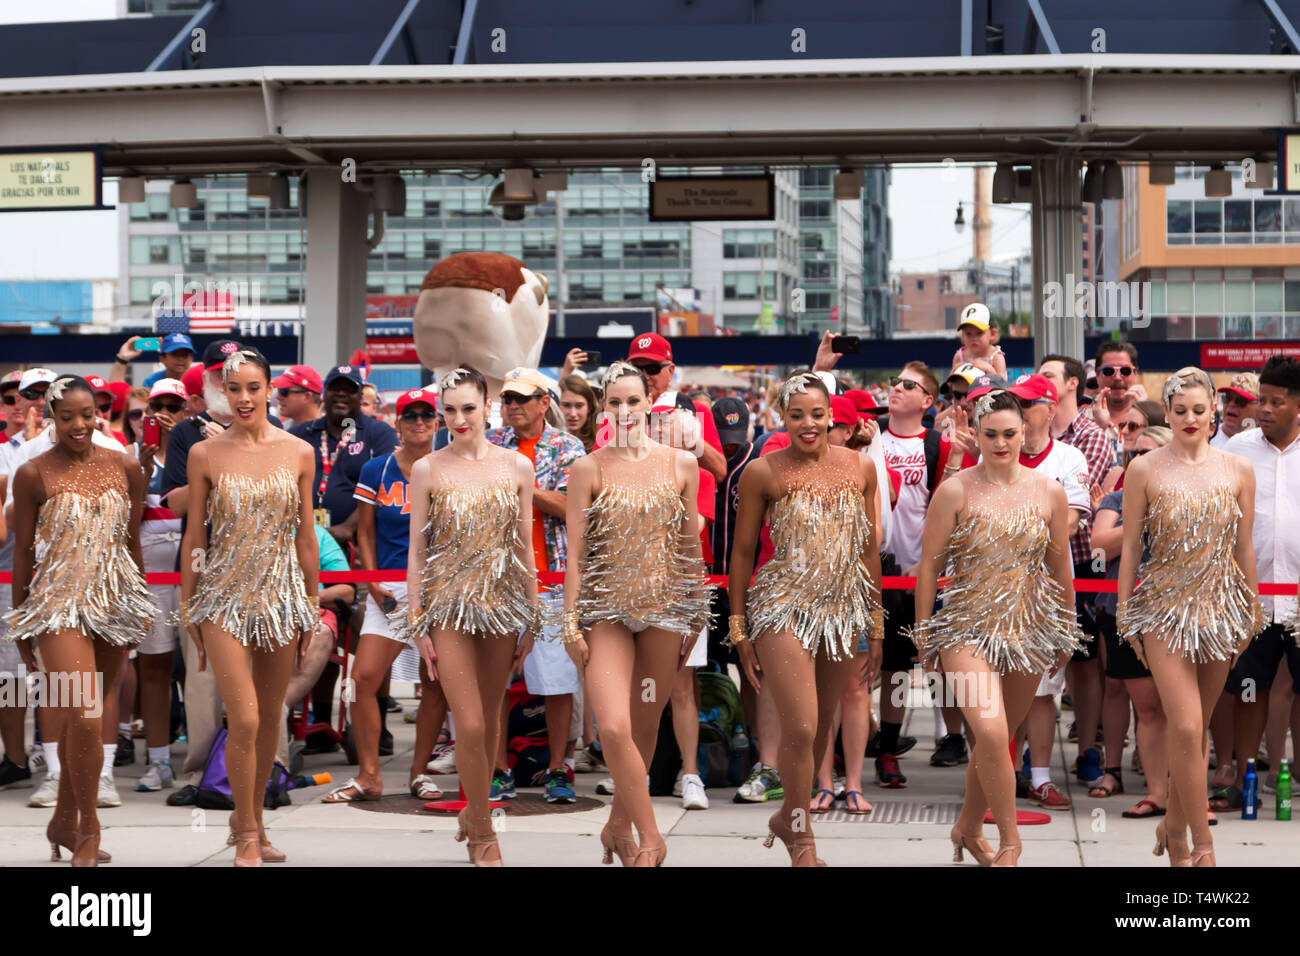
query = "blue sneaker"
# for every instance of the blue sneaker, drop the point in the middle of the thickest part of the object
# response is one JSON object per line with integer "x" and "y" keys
{"x": 503, "y": 785}
{"x": 558, "y": 789}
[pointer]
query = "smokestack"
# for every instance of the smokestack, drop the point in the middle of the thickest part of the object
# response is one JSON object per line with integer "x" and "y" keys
{"x": 982, "y": 215}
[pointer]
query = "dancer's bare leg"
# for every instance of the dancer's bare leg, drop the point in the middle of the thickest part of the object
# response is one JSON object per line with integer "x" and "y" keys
{"x": 232, "y": 666}
{"x": 1189, "y": 693}
{"x": 271, "y": 671}
{"x": 789, "y": 674}
{"x": 374, "y": 659}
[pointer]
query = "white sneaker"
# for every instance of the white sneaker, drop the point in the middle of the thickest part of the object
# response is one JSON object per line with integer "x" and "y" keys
{"x": 605, "y": 787}
{"x": 107, "y": 792}
{"x": 47, "y": 794}
{"x": 158, "y": 776}
{"x": 693, "y": 797}
{"x": 584, "y": 761}
{"x": 677, "y": 785}
{"x": 444, "y": 762}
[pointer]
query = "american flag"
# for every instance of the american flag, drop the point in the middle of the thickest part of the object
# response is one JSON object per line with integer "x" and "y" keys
{"x": 207, "y": 313}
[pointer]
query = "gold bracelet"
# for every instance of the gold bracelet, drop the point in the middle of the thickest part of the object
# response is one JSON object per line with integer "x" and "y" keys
{"x": 570, "y": 632}
{"x": 736, "y": 630}
{"x": 412, "y": 615}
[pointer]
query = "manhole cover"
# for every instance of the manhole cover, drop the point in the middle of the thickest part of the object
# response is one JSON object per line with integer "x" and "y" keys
{"x": 896, "y": 811}
{"x": 524, "y": 805}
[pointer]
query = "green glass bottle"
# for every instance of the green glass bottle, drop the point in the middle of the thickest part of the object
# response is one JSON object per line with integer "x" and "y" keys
{"x": 1284, "y": 792}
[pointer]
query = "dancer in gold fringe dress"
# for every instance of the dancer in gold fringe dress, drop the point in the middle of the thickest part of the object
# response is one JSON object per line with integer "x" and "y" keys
{"x": 635, "y": 598}
{"x": 1191, "y": 608}
{"x": 79, "y": 595}
{"x": 1008, "y": 612}
{"x": 809, "y": 604}
{"x": 471, "y": 586}
{"x": 249, "y": 560}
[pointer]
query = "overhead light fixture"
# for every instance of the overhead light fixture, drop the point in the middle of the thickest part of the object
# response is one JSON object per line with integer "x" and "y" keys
{"x": 1025, "y": 185}
{"x": 1004, "y": 183}
{"x": 1218, "y": 182}
{"x": 1112, "y": 180}
{"x": 1091, "y": 189}
{"x": 1161, "y": 174}
{"x": 1263, "y": 174}
{"x": 258, "y": 185}
{"x": 278, "y": 191}
{"x": 130, "y": 189}
{"x": 848, "y": 183}
{"x": 390, "y": 194}
{"x": 511, "y": 210}
{"x": 960, "y": 222}
{"x": 518, "y": 186}
{"x": 183, "y": 194}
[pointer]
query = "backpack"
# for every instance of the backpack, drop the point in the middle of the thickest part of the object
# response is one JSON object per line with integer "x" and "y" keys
{"x": 214, "y": 787}
{"x": 722, "y": 718}
{"x": 528, "y": 748}
{"x": 933, "y": 441}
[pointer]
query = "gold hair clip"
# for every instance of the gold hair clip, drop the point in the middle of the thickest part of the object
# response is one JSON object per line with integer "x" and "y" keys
{"x": 56, "y": 389}
{"x": 453, "y": 378}
{"x": 984, "y": 404}
{"x": 795, "y": 385}
{"x": 617, "y": 369}
{"x": 231, "y": 365}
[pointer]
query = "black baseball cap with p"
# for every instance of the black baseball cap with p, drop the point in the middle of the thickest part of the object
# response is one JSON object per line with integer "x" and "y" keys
{"x": 215, "y": 355}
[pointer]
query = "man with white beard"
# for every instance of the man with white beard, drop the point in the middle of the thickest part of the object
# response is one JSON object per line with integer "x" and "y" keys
{"x": 202, "y": 700}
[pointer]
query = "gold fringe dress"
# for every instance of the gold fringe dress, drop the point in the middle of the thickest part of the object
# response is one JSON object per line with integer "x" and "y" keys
{"x": 640, "y": 567}
{"x": 84, "y": 577}
{"x": 473, "y": 580}
{"x": 251, "y": 583}
{"x": 1191, "y": 588}
{"x": 816, "y": 583}
{"x": 1001, "y": 602}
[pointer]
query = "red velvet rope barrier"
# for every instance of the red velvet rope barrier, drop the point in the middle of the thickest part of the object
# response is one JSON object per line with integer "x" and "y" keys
{"x": 888, "y": 582}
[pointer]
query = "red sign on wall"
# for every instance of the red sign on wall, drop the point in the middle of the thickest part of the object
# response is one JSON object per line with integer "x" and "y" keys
{"x": 1246, "y": 356}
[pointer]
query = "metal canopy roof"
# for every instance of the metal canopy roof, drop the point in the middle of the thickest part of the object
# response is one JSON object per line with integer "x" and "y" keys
{"x": 1137, "y": 106}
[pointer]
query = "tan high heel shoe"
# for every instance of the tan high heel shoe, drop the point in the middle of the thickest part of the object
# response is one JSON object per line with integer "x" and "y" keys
{"x": 651, "y": 856}
{"x": 1007, "y": 855}
{"x": 242, "y": 842}
{"x": 977, "y": 847}
{"x": 67, "y": 839}
{"x": 483, "y": 851}
{"x": 801, "y": 849}
{"x": 624, "y": 845}
{"x": 270, "y": 854}
{"x": 1179, "y": 855}
{"x": 87, "y": 850}
{"x": 1203, "y": 855}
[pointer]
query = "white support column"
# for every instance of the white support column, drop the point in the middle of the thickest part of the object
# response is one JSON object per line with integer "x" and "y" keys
{"x": 337, "y": 215}
{"x": 1058, "y": 257}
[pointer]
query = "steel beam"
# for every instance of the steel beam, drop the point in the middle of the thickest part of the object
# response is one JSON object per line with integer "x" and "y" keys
{"x": 398, "y": 26}
{"x": 204, "y": 14}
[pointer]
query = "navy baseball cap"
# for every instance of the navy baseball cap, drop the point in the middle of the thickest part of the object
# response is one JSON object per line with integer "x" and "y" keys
{"x": 175, "y": 342}
{"x": 215, "y": 355}
{"x": 350, "y": 372}
{"x": 985, "y": 384}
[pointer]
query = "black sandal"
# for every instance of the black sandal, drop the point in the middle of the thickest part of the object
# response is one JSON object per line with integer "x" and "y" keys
{"x": 1101, "y": 790}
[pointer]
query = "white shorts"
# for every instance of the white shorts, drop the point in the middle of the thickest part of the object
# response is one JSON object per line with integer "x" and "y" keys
{"x": 1050, "y": 686}
{"x": 407, "y": 666}
{"x": 700, "y": 652}
{"x": 376, "y": 621}
{"x": 159, "y": 553}
{"x": 11, "y": 662}
{"x": 549, "y": 670}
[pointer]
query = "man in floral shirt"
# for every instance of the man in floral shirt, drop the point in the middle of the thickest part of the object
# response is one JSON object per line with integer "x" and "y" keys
{"x": 548, "y": 671}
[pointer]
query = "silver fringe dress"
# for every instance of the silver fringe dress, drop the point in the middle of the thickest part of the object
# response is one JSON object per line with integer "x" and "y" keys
{"x": 816, "y": 583}
{"x": 1001, "y": 602}
{"x": 640, "y": 567}
{"x": 251, "y": 584}
{"x": 1191, "y": 589}
{"x": 473, "y": 580}
{"x": 84, "y": 577}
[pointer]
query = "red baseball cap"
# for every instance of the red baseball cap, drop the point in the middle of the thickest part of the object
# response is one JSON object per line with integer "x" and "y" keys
{"x": 428, "y": 396}
{"x": 300, "y": 376}
{"x": 843, "y": 411}
{"x": 98, "y": 384}
{"x": 193, "y": 380}
{"x": 650, "y": 346}
{"x": 865, "y": 404}
{"x": 120, "y": 392}
{"x": 1033, "y": 387}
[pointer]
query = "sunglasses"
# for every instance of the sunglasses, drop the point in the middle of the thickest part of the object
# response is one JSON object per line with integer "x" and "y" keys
{"x": 1129, "y": 427}
{"x": 651, "y": 368}
{"x": 173, "y": 407}
{"x": 286, "y": 392}
{"x": 1239, "y": 401}
{"x": 105, "y": 409}
{"x": 511, "y": 398}
{"x": 908, "y": 384}
{"x": 411, "y": 415}
{"x": 34, "y": 392}
{"x": 11, "y": 399}
{"x": 135, "y": 414}
{"x": 1124, "y": 370}
{"x": 953, "y": 394}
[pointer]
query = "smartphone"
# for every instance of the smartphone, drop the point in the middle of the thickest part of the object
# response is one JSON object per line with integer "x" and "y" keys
{"x": 152, "y": 431}
{"x": 593, "y": 360}
{"x": 150, "y": 343}
{"x": 846, "y": 344}
{"x": 389, "y": 604}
